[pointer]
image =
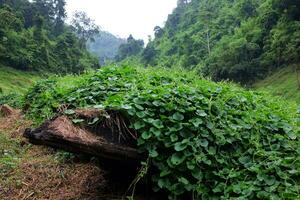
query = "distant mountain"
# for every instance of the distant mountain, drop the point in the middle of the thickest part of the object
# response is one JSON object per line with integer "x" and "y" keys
{"x": 105, "y": 46}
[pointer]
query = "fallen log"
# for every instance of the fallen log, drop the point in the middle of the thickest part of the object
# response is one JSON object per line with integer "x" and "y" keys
{"x": 61, "y": 133}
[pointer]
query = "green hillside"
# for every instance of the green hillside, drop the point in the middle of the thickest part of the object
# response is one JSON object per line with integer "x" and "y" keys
{"x": 12, "y": 80}
{"x": 237, "y": 40}
{"x": 282, "y": 83}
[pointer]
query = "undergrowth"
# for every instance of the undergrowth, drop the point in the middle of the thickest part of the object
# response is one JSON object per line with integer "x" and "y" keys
{"x": 10, "y": 154}
{"x": 206, "y": 140}
{"x": 13, "y": 99}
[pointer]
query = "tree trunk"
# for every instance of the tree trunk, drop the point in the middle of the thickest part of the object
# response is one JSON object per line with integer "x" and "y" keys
{"x": 208, "y": 41}
{"x": 296, "y": 67}
{"x": 62, "y": 134}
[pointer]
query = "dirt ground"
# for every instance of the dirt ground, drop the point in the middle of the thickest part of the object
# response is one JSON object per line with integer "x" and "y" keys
{"x": 45, "y": 173}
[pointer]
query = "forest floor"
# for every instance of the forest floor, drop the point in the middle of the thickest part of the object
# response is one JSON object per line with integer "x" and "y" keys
{"x": 36, "y": 172}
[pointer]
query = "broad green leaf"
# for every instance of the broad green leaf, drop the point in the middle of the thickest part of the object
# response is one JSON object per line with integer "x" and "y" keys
{"x": 263, "y": 195}
{"x": 162, "y": 183}
{"x": 141, "y": 114}
{"x": 211, "y": 151}
{"x": 191, "y": 164}
{"x": 197, "y": 174}
{"x": 146, "y": 135}
{"x": 77, "y": 121}
{"x": 178, "y": 117}
{"x": 101, "y": 107}
{"x": 138, "y": 125}
{"x": 153, "y": 153}
{"x": 165, "y": 172}
{"x": 157, "y": 103}
{"x": 69, "y": 112}
{"x": 270, "y": 180}
{"x": 179, "y": 146}
{"x": 183, "y": 180}
{"x": 158, "y": 124}
{"x": 155, "y": 131}
{"x": 138, "y": 101}
{"x": 210, "y": 125}
{"x": 201, "y": 113}
{"x": 203, "y": 142}
{"x": 177, "y": 158}
{"x": 174, "y": 137}
{"x": 139, "y": 107}
{"x": 95, "y": 120}
{"x": 196, "y": 122}
{"x": 292, "y": 135}
{"x": 245, "y": 160}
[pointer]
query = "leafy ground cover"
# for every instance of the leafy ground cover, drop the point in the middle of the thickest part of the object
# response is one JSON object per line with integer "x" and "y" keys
{"x": 205, "y": 140}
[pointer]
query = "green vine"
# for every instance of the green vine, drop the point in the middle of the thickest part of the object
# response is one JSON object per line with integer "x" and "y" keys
{"x": 206, "y": 140}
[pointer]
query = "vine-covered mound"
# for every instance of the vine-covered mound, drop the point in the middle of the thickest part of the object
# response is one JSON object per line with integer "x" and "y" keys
{"x": 206, "y": 140}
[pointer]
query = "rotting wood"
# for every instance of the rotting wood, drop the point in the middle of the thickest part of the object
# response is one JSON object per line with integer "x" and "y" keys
{"x": 62, "y": 134}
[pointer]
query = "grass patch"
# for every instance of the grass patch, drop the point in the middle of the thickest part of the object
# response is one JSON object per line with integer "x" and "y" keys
{"x": 10, "y": 154}
{"x": 17, "y": 81}
{"x": 282, "y": 83}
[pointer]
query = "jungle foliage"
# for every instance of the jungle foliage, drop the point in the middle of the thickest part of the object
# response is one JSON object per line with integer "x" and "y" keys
{"x": 132, "y": 48}
{"x": 239, "y": 40}
{"x": 206, "y": 140}
{"x": 34, "y": 36}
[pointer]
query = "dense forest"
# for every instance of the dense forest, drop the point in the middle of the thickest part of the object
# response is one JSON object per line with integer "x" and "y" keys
{"x": 239, "y": 40}
{"x": 34, "y": 36}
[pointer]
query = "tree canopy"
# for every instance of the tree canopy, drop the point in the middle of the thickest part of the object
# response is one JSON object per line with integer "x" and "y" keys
{"x": 132, "y": 47}
{"x": 34, "y": 36}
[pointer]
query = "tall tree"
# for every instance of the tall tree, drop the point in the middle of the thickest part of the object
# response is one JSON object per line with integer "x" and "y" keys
{"x": 158, "y": 31}
{"x": 133, "y": 47}
{"x": 207, "y": 14}
{"x": 60, "y": 16}
{"x": 84, "y": 27}
{"x": 183, "y": 2}
{"x": 46, "y": 8}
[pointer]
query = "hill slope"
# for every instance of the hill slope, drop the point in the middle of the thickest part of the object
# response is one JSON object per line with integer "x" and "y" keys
{"x": 12, "y": 80}
{"x": 282, "y": 83}
{"x": 239, "y": 40}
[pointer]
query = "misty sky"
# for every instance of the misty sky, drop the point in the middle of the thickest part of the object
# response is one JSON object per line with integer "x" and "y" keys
{"x": 124, "y": 17}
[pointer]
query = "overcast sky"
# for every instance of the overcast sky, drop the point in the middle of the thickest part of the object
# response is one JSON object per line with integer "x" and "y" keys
{"x": 124, "y": 17}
